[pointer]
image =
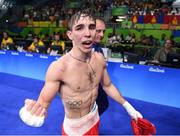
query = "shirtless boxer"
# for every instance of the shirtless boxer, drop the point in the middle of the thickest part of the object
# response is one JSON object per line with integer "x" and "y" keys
{"x": 76, "y": 77}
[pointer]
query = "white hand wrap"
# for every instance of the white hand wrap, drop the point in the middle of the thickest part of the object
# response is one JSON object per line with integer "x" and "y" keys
{"x": 131, "y": 111}
{"x": 30, "y": 119}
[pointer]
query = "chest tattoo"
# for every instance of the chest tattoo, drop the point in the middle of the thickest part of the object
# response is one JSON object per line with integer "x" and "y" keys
{"x": 91, "y": 74}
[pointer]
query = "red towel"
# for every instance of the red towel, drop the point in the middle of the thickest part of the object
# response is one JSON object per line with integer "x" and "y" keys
{"x": 143, "y": 127}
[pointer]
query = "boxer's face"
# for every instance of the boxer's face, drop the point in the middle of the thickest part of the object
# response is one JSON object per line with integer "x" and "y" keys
{"x": 82, "y": 33}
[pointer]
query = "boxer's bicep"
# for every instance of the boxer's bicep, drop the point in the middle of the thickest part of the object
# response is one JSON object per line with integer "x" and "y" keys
{"x": 51, "y": 86}
{"x": 105, "y": 81}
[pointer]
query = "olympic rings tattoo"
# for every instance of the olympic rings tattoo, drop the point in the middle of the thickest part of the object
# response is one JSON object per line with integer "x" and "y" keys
{"x": 75, "y": 104}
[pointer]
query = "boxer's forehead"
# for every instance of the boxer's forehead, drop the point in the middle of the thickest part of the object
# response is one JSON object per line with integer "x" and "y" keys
{"x": 79, "y": 16}
{"x": 83, "y": 20}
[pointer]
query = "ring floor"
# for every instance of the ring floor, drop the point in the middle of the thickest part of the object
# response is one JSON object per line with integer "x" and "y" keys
{"x": 115, "y": 121}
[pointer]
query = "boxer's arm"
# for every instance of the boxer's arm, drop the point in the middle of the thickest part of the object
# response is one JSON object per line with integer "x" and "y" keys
{"x": 33, "y": 113}
{"x": 113, "y": 92}
{"x": 110, "y": 89}
{"x": 50, "y": 89}
{"x": 51, "y": 86}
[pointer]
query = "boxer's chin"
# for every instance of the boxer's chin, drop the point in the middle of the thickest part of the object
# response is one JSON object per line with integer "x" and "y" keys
{"x": 87, "y": 49}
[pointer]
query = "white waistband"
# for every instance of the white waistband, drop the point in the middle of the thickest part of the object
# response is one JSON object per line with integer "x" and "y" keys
{"x": 81, "y": 125}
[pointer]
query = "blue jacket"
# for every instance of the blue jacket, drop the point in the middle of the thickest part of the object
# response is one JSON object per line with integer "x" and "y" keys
{"x": 97, "y": 47}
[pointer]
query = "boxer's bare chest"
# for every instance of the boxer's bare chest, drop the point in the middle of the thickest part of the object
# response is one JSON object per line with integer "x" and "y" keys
{"x": 84, "y": 76}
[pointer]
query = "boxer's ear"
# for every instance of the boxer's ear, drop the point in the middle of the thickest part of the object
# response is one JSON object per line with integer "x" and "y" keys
{"x": 69, "y": 34}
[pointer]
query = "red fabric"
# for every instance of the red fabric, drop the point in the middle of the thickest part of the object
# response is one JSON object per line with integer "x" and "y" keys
{"x": 178, "y": 18}
{"x": 166, "y": 19}
{"x": 147, "y": 18}
{"x": 143, "y": 127}
{"x": 93, "y": 131}
{"x": 63, "y": 132}
{"x": 22, "y": 24}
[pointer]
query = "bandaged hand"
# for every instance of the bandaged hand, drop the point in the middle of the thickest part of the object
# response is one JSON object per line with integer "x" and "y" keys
{"x": 32, "y": 113}
{"x": 131, "y": 111}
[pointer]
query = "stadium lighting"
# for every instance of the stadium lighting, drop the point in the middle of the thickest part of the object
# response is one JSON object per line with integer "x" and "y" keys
{"x": 176, "y": 2}
{"x": 122, "y": 17}
{"x": 119, "y": 20}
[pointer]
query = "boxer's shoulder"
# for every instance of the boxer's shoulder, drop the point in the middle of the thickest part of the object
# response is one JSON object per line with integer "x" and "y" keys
{"x": 97, "y": 56}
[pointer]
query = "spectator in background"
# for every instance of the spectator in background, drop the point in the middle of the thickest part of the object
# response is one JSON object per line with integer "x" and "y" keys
{"x": 34, "y": 47}
{"x": 102, "y": 99}
{"x": 30, "y": 36}
{"x": 162, "y": 40}
{"x": 115, "y": 38}
{"x": 161, "y": 54}
{"x": 133, "y": 39}
{"x": 6, "y": 41}
{"x": 144, "y": 39}
{"x": 151, "y": 40}
{"x": 57, "y": 42}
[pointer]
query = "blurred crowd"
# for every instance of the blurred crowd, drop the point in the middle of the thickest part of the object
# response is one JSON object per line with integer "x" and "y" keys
{"x": 58, "y": 43}
{"x": 61, "y": 11}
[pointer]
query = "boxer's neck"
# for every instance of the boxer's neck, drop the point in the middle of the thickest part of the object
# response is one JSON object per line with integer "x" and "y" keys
{"x": 81, "y": 57}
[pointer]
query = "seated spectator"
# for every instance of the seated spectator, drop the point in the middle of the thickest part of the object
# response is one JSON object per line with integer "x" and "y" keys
{"x": 57, "y": 42}
{"x": 133, "y": 40}
{"x": 34, "y": 47}
{"x": 29, "y": 36}
{"x": 144, "y": 40}
{"x": 115, "y": 38}
{"x": 162, "y": 40}
{"x": 7, "y": 41}
{"x": 161, "y": 54}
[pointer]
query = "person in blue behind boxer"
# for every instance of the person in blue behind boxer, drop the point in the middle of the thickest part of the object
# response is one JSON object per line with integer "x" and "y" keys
{"x": 102, "y": 99}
